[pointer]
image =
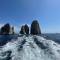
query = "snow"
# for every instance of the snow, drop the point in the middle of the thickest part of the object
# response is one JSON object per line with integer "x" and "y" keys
{"x": 30, "y": 48}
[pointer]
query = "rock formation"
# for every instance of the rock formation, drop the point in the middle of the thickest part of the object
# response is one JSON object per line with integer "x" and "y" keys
{"x": 2, "y": 30}
{"x": 22, "y": 30}
{"x": 35, "y": 29}
{"x": 5, "y": 29}
{"x": 26, "y": 29}
{"x": 13, "y": 30}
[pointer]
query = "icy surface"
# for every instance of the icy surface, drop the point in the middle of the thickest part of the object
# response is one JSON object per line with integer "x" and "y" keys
{"x": 30, "y": 48}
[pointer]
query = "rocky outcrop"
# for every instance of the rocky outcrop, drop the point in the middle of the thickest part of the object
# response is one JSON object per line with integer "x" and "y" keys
{"x": 13, "y": 30}
{"x": 35, "y": 28}
{"x": 26, "y": 29}
{"x": 5, "y": 29}
{"x": 22, "y": 30}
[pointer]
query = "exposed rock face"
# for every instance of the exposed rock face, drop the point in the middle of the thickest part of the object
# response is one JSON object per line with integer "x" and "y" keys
{"x": 5, "y": 29}
{"x": 22, "y": 30}
{"x": 35, "y": 29}
{"x": 26, "y": 29}
{"x": 12, "y": 30}
{"x": 2, "y": 30}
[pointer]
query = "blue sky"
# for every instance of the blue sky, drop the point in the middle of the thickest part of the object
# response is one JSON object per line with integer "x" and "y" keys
{"x": 18, "y": 12}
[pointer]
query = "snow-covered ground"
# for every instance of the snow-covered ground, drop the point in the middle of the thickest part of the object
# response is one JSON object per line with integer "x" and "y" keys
{"x": 30, "y": 48}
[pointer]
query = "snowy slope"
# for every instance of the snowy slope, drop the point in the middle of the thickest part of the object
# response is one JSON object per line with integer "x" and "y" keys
{"x": 30, "y": 48}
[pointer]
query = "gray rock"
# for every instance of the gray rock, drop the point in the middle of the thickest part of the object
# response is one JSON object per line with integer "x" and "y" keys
{"x": 26, "y": 29}
{"x": 35, "y": 29}
{"x": 5, "y": 29}
{"x": 22, "y": 30}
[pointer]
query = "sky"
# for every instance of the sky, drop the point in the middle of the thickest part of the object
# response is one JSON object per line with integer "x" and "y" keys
{"x": 19, "y": 12}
